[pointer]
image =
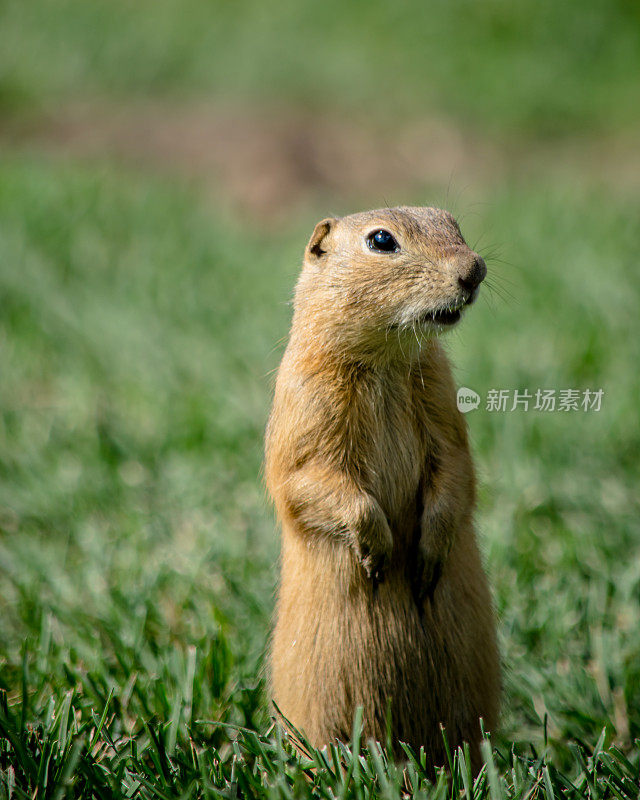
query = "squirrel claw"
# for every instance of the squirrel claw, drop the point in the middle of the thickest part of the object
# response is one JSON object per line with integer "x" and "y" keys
{"x": 375, "y": 566}
{"x": 426, "y": 579}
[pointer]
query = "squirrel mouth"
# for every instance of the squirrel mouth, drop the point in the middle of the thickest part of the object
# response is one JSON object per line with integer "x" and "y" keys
{"x": 450, "y": 314}
{"x": 443, "y": 316}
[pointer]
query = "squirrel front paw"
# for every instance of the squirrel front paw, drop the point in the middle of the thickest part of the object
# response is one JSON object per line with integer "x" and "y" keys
{"x": 437, "y": 530}
{"x": 429, "y": 563}
{"x": 427, "y": 572}
{"x": 373, "y": 542}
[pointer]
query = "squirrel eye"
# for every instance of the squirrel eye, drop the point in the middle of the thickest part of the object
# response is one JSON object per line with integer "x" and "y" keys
{"x": 382, "y": 241}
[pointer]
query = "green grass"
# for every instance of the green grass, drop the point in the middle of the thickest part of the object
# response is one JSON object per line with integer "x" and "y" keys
{"x": 137, "y": 552}
{"x": 542, "y": 68}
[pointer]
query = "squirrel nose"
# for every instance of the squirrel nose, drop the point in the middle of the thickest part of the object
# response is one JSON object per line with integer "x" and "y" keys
{"x": 472, "y": 277}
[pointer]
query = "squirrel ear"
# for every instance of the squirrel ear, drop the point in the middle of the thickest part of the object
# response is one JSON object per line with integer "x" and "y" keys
{"x": 317, "y": 246}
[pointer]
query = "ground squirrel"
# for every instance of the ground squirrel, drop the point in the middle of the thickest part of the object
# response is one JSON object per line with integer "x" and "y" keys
{"x": 383, "y": 601}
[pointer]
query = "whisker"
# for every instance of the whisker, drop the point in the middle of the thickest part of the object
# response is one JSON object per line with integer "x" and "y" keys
{"x": 488, "y": 300}
{"x": 497, "y": 277}
{"x": 502, "y": 293}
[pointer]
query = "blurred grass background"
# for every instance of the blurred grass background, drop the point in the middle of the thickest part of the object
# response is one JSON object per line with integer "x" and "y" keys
{"x": 162, "y": 166}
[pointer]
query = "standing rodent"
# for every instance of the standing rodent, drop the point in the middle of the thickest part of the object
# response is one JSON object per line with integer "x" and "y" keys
{"x": 383, "y": 602}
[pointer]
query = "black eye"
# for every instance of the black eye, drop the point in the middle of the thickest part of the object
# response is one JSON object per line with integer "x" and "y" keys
{"x": 382, "y": 241}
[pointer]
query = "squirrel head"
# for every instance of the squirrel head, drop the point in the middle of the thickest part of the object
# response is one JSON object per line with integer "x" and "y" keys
{"x": 383, "y": 281}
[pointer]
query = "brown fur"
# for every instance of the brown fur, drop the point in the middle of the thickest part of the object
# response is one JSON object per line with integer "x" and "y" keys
{"x": 383, "y": 601}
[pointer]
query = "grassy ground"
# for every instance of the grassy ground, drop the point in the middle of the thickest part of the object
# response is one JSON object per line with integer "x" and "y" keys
{"x": 139, "y": 326}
